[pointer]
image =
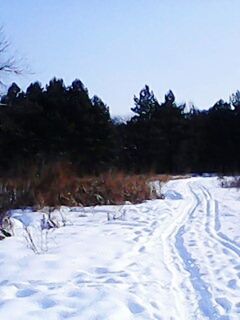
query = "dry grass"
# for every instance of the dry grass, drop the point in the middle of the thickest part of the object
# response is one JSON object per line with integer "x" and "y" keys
{"x": 58, "y": 184}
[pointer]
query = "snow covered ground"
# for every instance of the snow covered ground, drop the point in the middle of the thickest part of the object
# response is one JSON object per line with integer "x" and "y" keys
{"x": 176, "y": 258}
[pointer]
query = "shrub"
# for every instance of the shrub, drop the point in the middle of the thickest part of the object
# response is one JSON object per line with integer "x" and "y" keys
{"x": 230, "y": 183}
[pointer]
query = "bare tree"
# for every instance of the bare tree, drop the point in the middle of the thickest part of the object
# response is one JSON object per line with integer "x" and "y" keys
{"x": 8, "y": 63}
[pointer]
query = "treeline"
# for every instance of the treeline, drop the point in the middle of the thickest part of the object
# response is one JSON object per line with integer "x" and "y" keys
{"x": 59, "y": 123}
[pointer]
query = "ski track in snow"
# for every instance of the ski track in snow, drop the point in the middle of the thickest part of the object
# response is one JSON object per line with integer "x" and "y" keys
{"x": 209, "y": 276}
{"x": 171, "y": 259}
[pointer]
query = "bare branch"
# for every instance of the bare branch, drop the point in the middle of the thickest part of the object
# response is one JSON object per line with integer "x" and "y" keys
{"x": 8, "y": 63}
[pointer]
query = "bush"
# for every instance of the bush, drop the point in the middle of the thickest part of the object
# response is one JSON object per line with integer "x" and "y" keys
{"x": 230, "y": 183}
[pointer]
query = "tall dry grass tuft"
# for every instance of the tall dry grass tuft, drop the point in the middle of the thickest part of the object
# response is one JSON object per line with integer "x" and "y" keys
{"x": 58, "y": 184}
{"x": 114, "y": 188}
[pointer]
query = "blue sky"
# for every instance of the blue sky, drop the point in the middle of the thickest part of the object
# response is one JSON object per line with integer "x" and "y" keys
{"x": 116, "y": 47}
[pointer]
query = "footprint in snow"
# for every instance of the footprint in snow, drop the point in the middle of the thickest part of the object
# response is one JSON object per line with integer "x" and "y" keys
{"x": 224, "y": 303}
{"x": 25, "y": 293}
{"x": 136, "y": 239}
{"x": 232, "y": 284}
{"x": 173, "y": 195}
{"x": 157, "y": 317}
{"x": 135, "y": 307}
{"x": 237, "y": 267}
{"x": 154, "y": 224}
{"x": 47, "y": 303}
{"x": 111, "y": 280}
{"x": 76, "y": 294}
{"x": 226, "y": 251}
{"x": 154, "y": 305}
{"x": 101, "y": 270}
{"x": 237, "y": 305}
{"x": 67, "y": 314}
{"x": 142, "y": 249}
{"x": 137, "y": 232}
{"x": 123, "y": 274}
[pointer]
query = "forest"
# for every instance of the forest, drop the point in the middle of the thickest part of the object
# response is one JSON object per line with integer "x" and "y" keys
{"x": 44, "y": 125}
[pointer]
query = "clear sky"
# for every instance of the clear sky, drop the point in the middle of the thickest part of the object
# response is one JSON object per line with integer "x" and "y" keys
{"x": 117, "y": 46}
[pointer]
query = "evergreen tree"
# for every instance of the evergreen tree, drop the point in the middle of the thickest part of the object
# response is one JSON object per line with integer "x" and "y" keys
{"x": 145, "y": 104}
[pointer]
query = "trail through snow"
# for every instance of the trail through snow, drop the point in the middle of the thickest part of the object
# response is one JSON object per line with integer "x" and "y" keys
{"x": 173, "y": 259}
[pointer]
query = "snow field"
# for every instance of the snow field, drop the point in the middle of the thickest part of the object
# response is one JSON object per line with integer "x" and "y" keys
{"x": 170, "y": 259}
